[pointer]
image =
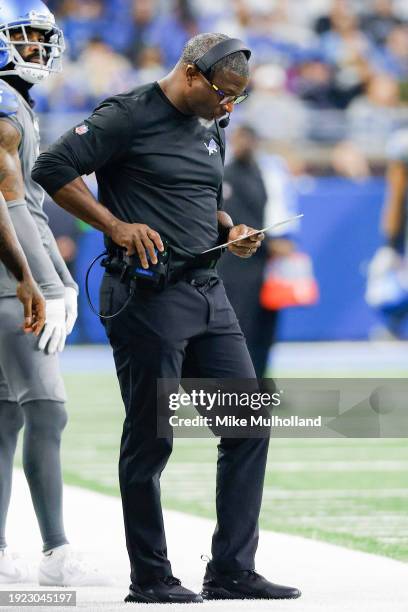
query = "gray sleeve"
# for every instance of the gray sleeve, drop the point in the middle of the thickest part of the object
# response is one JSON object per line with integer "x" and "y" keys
{"x": 53, "y": 251}
{"x": 41, "y": 266}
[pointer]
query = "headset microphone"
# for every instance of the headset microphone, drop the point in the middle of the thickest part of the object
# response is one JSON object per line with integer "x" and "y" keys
{"x": 224, "y": 121}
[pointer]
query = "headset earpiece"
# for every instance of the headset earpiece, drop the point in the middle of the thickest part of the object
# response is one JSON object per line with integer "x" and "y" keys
{"x": 219, "y": 51}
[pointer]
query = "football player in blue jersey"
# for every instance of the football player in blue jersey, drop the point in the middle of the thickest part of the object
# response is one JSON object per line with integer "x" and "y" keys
{"x": 31, "y": 387}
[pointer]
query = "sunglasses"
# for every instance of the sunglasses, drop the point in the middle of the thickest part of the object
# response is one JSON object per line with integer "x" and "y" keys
{"x": 225, "y": 98}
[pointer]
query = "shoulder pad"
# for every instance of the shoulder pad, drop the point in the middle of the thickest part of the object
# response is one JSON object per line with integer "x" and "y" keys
{"x": 8, "y": 102}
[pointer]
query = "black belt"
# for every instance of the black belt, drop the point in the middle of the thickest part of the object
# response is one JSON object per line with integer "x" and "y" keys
{"x": 199, "y": 267}
{"x": 190, "y": 276}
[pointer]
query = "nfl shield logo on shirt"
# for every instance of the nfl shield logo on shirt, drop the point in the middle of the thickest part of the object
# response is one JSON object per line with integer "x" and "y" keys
{"x": 211, "y": 147}
{"x": 81, "y": 129}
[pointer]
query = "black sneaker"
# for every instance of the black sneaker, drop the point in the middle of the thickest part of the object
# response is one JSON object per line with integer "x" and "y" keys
{"x": 162, "y": 590}
{"x": 243, "y": 585}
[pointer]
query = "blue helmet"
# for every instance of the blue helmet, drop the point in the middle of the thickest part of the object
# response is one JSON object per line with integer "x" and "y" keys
{"x": 17, "y": 19}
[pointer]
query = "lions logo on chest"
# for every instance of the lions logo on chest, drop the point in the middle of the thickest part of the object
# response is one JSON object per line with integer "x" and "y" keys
{"x": 211, "y": 147}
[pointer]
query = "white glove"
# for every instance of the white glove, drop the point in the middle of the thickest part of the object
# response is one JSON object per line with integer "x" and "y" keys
{"x": 71, "y": 309}
{"x": 53, "y": 335}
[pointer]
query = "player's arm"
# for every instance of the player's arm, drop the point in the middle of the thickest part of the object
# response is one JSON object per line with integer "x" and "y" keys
{"x": 11, "y": 253}
{"x": 71, "y": 289}
{"x": 53, "y": 251}
{"x": 14, "y": 259}
{"x": 99, "y": 141}
{"x": 12, "y": 187}
{"x": 394, "y": 210}
{"x": 394, "y": 214}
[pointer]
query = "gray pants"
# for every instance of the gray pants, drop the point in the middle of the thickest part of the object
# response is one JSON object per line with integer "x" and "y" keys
{"x": 31, "y": 394}
{"x": 26, "y": 374}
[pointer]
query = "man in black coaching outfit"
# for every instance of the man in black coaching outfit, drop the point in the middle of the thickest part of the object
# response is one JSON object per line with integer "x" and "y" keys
{"x": 158, "y": 156}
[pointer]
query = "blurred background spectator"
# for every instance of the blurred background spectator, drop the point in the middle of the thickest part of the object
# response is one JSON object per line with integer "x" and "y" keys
{"x": 257, "y": 199}
{"x": 387, "y": 285}
{"x": 273, "y": 110}
{"x": 373, "y": 115}
{"x": 380, "y": 21}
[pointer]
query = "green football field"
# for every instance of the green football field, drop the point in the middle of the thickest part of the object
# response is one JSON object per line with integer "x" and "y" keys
{"x": 352, "y": 492}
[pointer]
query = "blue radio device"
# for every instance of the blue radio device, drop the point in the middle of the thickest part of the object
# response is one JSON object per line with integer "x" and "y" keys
{"x": 155, "y": 276}
{"x": 131, "y": 271}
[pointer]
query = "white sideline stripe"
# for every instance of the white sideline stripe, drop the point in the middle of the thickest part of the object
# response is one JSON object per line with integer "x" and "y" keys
{"x": 332, "y": 578}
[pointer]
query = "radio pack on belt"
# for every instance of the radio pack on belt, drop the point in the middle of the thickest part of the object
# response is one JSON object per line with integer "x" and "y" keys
{"x": 130, "y": 269}
{"x": 156, "y": 277}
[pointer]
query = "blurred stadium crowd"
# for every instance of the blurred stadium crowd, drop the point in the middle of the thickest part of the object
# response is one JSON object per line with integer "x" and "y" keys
{"x": 324, "y": 72}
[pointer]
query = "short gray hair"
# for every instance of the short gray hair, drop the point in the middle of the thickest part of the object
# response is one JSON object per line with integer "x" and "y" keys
{"x": 200, "y": 44}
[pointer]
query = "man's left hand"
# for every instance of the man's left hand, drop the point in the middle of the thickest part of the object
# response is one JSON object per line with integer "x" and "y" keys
{"x": 248, "y": 245}
{"x": 34, "y": 305}
{"x": 71, "y": 308}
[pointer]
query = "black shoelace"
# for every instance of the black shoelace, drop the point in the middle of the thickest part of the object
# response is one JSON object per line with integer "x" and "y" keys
{"x": 171, "y": 581}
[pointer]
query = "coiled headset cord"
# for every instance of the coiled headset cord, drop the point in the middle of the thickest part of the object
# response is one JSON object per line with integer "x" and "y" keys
{"x": 88, "y": 297}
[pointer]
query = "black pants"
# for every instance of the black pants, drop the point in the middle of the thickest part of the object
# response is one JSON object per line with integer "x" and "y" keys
{"x": 186, "y": 330}
{"x": 259, "y": 325}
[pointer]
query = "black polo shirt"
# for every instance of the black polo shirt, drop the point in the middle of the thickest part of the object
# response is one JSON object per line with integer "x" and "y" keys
{"x": 153, "y": 165}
